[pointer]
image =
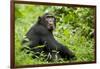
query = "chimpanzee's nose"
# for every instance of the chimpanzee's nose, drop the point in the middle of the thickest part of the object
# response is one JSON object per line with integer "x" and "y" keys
{"x": 50, "y": 23}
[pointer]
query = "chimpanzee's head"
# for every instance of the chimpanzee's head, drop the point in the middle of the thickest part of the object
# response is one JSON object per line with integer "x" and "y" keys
{"x": 48, "y": 20}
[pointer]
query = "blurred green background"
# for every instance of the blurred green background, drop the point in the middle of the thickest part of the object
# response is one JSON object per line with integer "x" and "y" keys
{"x": 75, "y": 28}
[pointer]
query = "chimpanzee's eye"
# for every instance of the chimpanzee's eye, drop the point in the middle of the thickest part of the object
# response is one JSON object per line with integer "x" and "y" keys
{"x": 53, "y": 18}
{"x": 50, "y": 19}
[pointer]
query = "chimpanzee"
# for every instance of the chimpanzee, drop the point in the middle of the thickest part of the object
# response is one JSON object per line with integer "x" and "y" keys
{"x": 42, "y": 34}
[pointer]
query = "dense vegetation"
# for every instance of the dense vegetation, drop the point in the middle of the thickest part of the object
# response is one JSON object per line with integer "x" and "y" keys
{"x": 75, "y": 28}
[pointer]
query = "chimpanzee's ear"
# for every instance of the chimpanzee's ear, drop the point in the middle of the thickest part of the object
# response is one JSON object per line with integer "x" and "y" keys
{"x": 55, "y": 19}
{"x": 39, "y": 19}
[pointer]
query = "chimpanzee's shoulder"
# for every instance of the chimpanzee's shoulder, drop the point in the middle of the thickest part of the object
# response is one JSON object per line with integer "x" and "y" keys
{"x": 39, "y": 29}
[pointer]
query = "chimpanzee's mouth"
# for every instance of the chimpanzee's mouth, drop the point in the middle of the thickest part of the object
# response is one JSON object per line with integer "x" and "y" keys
{"x": 51, "y": 28}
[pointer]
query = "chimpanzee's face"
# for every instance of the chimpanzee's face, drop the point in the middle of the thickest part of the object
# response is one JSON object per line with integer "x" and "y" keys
{"x": 50, "y": 20}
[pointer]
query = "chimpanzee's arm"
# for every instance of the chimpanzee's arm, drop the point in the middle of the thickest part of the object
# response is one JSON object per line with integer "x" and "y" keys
{"x": 52, "y": 44}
